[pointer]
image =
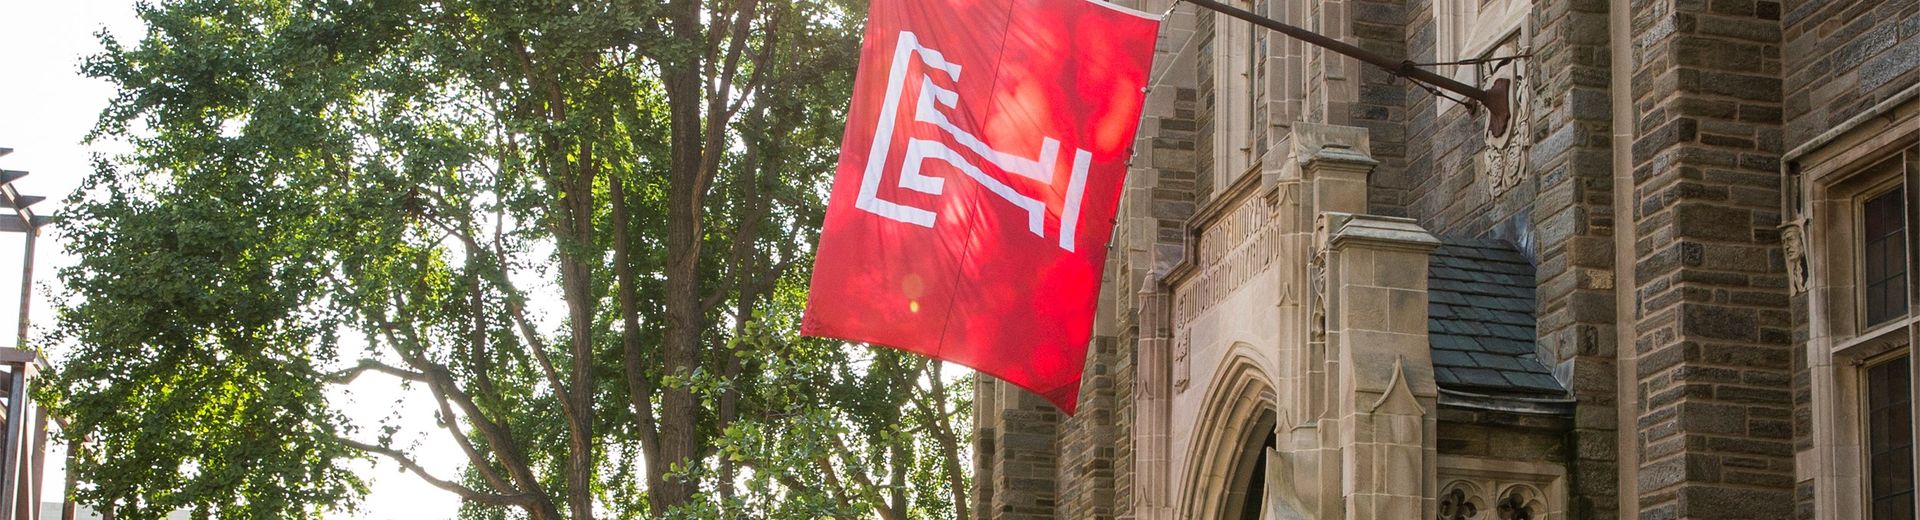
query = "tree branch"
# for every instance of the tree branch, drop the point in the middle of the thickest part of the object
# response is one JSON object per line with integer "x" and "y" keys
{"x": 466, "y": 493}
{"x": 497, "y": 435}
{"x": 939, "y": 422}
{"x": 371, "y": 365}
{"x": 863, "y": 485}
{"x": 640, "y": 388}
{"x": 514, "y": 297}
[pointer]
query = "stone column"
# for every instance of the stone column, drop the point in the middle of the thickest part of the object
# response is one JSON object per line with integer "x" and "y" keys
{"x": 1325, "y": 168}
{"x": 1016, "y": 460}
{"x": 1385, "y": 398}
{"x": 1162, "y": 192}
{"x": 1713, "y": 333}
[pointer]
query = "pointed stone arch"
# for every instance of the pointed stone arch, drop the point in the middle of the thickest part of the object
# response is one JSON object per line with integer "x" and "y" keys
{"x": 1236, "y": 420}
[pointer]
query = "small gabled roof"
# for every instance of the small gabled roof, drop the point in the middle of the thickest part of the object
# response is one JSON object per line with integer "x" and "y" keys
{"x": 1480, "y": 321}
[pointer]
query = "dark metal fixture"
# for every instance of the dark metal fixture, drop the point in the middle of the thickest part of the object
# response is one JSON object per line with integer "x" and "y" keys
{"x": 1496, "y": 98}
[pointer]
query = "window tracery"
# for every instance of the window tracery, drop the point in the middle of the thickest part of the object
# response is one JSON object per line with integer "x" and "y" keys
{"x": 1484, "y": 489}
{"x": 1461, "y": 500}
{"x": 1520, "y": 502}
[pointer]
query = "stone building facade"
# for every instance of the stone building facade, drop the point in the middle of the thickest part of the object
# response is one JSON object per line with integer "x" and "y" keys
{"x": 1681, "y": 287}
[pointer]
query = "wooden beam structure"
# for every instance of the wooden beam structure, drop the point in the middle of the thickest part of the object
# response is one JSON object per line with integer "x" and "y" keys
{"x": 25, "y": 426}
{"x": 25, "y": 422}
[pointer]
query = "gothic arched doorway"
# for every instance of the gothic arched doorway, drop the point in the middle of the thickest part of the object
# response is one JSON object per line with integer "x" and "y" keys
{"x": 1247, "y": 485}
{"x": 1225, "y": 473}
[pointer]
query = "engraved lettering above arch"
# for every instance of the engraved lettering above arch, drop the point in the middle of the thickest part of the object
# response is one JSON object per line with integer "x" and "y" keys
{"x": 1235, "y": 248}
{"x": 1182, "y": 371}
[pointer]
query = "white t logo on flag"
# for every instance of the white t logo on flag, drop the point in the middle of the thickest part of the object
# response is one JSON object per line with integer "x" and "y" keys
{"x": 951, "y": 191}
{"x": 927, "y": 110}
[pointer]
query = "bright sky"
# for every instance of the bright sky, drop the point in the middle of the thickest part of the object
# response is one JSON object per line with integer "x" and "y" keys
{"x": 46, "y": 108}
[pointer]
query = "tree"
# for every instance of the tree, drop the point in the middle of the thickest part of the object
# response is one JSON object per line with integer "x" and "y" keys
{"x": 320, "y": 190}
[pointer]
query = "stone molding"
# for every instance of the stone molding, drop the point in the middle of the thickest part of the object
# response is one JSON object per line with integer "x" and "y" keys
{"x": 1237, "y": 397}
{"x": 1823, "y": 184}
{"x": 1392, "y": 233}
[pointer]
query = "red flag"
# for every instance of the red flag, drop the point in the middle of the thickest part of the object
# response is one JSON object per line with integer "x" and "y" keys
{"x": 978, "y": 181}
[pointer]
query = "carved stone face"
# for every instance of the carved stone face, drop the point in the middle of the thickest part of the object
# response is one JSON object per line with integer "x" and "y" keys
{"x": 1791, "y": 241}
{"x": 1794, "y": 246}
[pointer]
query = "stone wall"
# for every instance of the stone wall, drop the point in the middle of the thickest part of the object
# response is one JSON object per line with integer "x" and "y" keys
{"x": 1840, "y": 58}
{"x": 1713, "y": 355}
{"x": 1572, "y": 229}
{"x": 1208, "y": 99}
{"x": 1158, "y": 240}
{"x": 1558, "y": 207}
{"x": 1086, "y": 440}
{"x": 1802, "y": 387}
{"x": 1488, "y": 434}
{"x": 1379, "y": 26}
{"x": 1015, "y": 456}
{"x": 1490, "y": 456}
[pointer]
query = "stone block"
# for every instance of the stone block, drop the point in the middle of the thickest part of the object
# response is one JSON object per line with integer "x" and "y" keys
{"x": 1713, "y": 222}
{"x": 1662, "y": 474}
{"x": 1712, "y": 419}
{"x": 1707, "y": 502}
{"x": 1865, "y": 45}
{"x": 1899, "y": 62}
{"x": 1718, "y": 322}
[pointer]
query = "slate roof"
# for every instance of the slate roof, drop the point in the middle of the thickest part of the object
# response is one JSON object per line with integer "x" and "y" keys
{"x": 1480, "y": 320}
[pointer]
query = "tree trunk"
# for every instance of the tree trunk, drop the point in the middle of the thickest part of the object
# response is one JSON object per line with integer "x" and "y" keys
{"x": 640, "y": 388}
{"x": 682, "y": 81}
{"x": 943, "y": 435}
{"x": 576, "y": 273}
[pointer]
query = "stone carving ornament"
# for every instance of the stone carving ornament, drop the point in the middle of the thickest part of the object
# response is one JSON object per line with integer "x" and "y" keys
{"x": 1520, "y": 502}
{"x": 1504, "y": 158}
{"x": 1466, "y": 499}
{"x": 1317, "y": 280}
{"x": 1793, "y": 243}
{"x": 1461, "y": 500}
{"x": 1181, "y": 372}
{"x": 1793, "y": 233}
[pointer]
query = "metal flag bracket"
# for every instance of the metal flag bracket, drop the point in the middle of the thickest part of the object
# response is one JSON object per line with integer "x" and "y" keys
{"x": 1496, "y": 98}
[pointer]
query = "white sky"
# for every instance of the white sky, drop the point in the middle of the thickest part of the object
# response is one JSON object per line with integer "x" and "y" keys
{"x": 46, "y": 108}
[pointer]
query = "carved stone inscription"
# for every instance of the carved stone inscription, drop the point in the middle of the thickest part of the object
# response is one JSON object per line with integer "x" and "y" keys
{"x": 1235, "y": 248}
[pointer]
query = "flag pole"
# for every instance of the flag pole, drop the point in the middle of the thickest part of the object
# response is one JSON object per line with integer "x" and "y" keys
{"x": 1494, "y": 98}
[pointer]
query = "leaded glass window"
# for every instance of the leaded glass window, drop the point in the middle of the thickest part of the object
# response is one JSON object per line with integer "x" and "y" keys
{"x": 1884, "y": 258}
{"x": 1890, "y": 440}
